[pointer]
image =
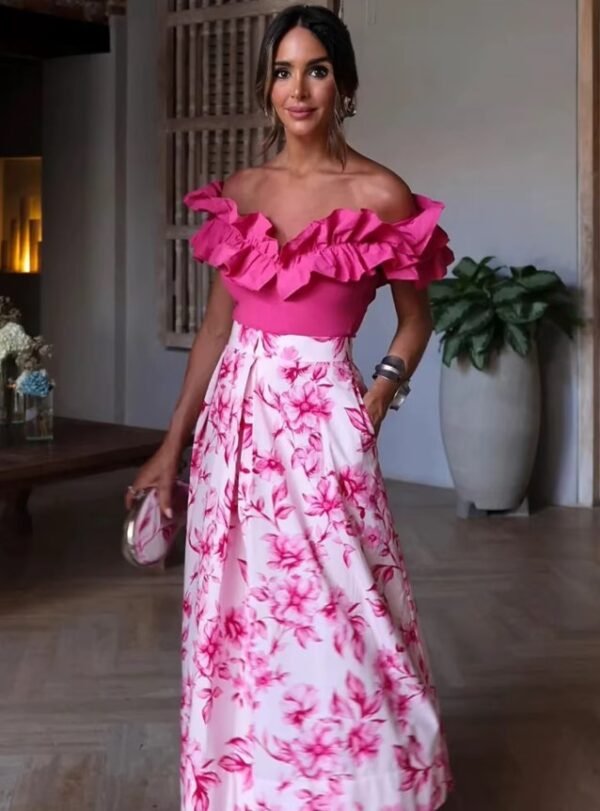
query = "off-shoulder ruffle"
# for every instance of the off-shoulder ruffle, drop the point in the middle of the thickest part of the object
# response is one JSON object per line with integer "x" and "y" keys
{"x": 345, "y": 245}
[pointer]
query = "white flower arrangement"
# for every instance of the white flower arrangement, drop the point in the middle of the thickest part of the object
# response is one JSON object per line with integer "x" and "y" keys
{"x": 13, "y": 340}
{"x": 32, "y": 358}
{"x": 20, "y": 354}
{"x": 23, "y": 357}
{"x": 8, "y": 312}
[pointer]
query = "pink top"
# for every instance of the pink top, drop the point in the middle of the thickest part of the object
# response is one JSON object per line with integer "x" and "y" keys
{"x": 321, "y": 282}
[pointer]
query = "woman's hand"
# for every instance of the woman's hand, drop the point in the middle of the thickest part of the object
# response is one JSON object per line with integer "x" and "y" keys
{"x": 375, "y": 409}
{"x": 160, "y": 471}
{"x": 377, "y": 401}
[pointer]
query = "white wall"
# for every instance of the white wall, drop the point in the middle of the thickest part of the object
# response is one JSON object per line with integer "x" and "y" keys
{"x": 80, "y": 211}
{"x": 474, "y": 103}
{"x": 153, "y": 374}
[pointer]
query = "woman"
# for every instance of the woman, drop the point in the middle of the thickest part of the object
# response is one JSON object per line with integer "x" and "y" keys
{"x": 306, "y": 687}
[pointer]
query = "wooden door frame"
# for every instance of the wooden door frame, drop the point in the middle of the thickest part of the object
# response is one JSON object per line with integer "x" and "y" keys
{"x": 588, "y": 159}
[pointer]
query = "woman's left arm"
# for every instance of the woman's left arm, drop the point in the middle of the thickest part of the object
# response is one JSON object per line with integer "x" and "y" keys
{"x": 390, "y": 196}
{"x": 409, "y": 344}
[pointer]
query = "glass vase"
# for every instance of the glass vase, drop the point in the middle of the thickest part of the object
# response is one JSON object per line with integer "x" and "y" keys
{"x": 12, "y": 407}
{"x": 39, "y": 417}
{"x": 17, "y": 414}
{"x": 4, "y": 396}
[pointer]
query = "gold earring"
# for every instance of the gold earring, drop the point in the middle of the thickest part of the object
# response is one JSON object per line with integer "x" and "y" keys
{"x": 349, "y": 107}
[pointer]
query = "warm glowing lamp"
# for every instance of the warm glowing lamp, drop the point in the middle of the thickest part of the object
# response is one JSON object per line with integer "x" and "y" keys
{"x": 21, "y": 222}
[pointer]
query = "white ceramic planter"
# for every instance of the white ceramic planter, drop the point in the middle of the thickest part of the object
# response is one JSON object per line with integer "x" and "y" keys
{"x": 490, "y": 428}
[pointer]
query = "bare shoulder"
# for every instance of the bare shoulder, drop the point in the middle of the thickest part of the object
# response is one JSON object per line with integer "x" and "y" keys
{"x": 243, "y": 185}
{"x": 390, "y": 196}
{"x": 383, "y": 191}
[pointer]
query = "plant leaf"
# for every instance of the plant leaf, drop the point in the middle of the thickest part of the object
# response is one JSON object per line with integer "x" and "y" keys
{"x": 485, "y": 274}
{"x": 482, "y": 341}
{"x": 446, "y": 318}
{"x": 476, "y": 322}
{"x": 518, "y": 337}
{"x": 442, "y": 290}
{"x": 522, "y": 312}
{"x": 478, "y": 359}
{"x": 531, "y": 310}
{"x": 542, "y": 280}
{"x": 466, "y": 268}
{"x": 507, "y": 291}
{"x": 453, "y": 345}
{"x": 522, "y": 272}
{"x": 473, "y": 293}
{"x": 480, "y": 346}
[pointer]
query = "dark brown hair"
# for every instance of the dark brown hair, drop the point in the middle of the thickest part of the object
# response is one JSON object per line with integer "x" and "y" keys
{"x": 335, "y": 38}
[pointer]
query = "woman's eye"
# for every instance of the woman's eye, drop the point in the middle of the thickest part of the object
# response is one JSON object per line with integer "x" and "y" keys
{"x": 318, "y": 72}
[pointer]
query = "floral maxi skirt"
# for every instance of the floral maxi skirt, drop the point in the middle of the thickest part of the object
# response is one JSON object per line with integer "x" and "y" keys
{"x": 305, "y": 682}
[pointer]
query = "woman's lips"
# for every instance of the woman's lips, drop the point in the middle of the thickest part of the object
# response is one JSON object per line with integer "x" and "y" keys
{"x": 300, "y": 113}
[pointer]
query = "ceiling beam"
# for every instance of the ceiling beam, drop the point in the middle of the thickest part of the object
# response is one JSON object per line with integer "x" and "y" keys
{"x": 92, "y": 11}
{"x": 43, "y": 36}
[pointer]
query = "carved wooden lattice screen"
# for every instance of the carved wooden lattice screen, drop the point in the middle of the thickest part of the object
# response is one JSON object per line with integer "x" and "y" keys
{"x": 211, "y": 127}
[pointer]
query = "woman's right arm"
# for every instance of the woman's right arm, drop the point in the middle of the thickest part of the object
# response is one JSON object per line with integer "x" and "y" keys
{"x": 161, "y": 470}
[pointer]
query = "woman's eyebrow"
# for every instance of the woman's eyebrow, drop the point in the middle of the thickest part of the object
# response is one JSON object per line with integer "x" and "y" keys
{"x": 282, "y": 63}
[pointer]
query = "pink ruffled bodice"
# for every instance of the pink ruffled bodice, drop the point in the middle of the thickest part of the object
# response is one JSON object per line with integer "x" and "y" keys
{"x": 321, "y": 282}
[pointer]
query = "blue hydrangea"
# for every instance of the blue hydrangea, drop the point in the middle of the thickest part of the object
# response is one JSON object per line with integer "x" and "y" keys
{"x": 35, "y": 384}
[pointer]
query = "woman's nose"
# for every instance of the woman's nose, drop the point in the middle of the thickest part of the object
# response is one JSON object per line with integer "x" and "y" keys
{"x": 299, "y": 88}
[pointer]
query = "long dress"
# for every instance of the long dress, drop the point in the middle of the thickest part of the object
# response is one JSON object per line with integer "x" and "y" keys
{"x": 305, "y": 681}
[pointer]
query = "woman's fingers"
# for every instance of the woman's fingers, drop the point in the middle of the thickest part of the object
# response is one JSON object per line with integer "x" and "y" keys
{"x": 159, "y": 472}
{"x": 144, "y": 480}
{"x": 165, "y": 494}
{"x": 129, "y": 497}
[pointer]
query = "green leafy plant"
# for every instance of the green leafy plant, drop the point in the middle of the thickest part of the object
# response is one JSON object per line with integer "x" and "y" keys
{"x": 484, "y": 308}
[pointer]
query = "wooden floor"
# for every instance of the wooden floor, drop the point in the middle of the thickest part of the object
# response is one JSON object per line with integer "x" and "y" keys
{"x": 89, "y": 662}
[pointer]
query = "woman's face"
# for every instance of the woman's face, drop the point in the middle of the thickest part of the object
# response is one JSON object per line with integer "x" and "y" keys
{"x": 303, "y": 91}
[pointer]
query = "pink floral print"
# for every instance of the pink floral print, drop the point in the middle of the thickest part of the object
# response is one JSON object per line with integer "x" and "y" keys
{"x": 305, "y": 682}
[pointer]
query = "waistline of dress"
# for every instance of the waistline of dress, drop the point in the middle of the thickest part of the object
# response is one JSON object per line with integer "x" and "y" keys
{"x": 289, "y": 349}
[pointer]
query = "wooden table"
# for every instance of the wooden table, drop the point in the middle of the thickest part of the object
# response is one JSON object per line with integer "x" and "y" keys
{"x": 79, "y": 448}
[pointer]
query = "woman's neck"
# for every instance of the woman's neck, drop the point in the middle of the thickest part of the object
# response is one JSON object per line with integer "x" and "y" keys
{"x": 301, "y": 157}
